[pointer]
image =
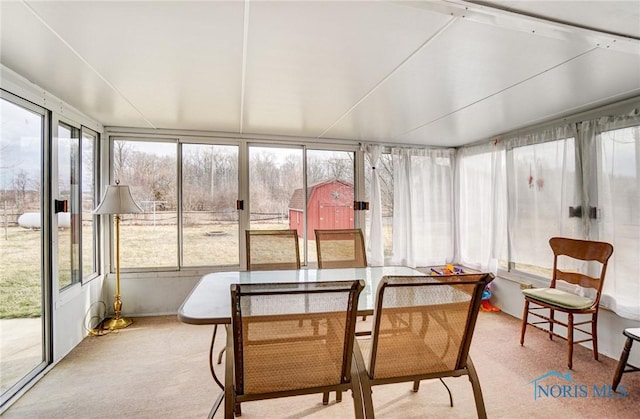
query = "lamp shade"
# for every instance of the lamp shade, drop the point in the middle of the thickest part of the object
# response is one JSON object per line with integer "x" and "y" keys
{"x": 117, "y": 199}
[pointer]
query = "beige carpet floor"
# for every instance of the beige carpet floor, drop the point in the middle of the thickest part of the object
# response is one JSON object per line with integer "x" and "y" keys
{"x": 157, "y": 368}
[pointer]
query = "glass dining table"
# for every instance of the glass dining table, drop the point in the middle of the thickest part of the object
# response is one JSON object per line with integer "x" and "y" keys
{"x": 209, "y": 302}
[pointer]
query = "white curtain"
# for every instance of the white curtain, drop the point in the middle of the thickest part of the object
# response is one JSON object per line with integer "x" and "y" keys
{"x": 375, "y": 239}
{"x": 423, "y": 216}
{"x": 543, "y": 179}
{"x": 617, "y": 199}
{"x": 481, "y": 207}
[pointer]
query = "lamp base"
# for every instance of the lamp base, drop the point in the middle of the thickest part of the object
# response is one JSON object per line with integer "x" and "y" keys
{"x": 115, "y": 324}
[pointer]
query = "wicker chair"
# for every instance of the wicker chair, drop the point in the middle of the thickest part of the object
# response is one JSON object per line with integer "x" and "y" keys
{"x": 554, "y": 299}
{"x": 273, "y": 350}
{"x": 341, "y": 248}
{"x": 272, "y": 250}
{"x": 423, "y": 327}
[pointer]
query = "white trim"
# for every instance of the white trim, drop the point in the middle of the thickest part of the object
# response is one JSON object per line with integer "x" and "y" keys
{"x": 14, "y": 83}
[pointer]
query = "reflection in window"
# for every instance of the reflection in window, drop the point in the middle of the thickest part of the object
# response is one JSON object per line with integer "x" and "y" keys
{"x": 69, "y": 223}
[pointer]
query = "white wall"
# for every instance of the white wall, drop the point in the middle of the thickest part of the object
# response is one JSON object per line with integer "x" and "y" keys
{"x": 72, "y": 312}
{"x": 152, "y": 293}
{"x": 161, "y": 293}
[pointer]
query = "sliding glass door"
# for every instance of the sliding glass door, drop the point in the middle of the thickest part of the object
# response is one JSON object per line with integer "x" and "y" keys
{"x": 302, "y": 189}
{"x": 23, "y": 311}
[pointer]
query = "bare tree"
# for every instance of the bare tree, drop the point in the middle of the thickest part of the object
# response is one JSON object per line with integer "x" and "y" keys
{"x": 20, "y": 181}
{"x": 122, "y": 151}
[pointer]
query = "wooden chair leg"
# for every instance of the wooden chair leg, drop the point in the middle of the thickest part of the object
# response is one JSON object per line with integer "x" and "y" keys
{"x": 325, "y": 398}
{"x": 525, "y": 315}
{"x": 594, "y": 335}
{"x": 551, "y": 322}
{"x": 622, "y": 363}
{"x": 416, "y": 386}
{"x": 570, "y": 340}
{"x": 338, "y": 396}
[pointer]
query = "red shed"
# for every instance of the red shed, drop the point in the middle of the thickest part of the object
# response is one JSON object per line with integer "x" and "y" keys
{"x": 329, "y": 206}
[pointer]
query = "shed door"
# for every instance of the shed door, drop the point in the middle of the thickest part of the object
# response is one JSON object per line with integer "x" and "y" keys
{"x": 335, "y": 217}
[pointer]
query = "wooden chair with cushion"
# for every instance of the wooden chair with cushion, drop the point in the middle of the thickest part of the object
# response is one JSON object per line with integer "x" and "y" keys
{"x": 538, "y": 300}
{"x": 423, "y": 327}
{"x": 274, "y": 351}
{"x": 272, "y": 250}
{"x": 340, "y": 248}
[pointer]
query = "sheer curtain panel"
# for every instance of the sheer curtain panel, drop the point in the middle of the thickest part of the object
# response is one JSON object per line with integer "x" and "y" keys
{"x": 423, "y": 222}
{"x": 375, "y": 239}
{"x": 481, "y": 208}
{"x": 618, "y": 209}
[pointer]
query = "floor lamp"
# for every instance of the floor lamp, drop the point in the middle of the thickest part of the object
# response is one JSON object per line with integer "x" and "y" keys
{"x": 117, "y": 200}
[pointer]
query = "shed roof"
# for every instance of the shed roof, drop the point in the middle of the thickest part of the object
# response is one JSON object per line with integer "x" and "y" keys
{"x": 297, "y": 201}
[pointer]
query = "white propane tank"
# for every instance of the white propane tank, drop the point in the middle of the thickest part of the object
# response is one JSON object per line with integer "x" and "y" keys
{"x": 32, "y": 220}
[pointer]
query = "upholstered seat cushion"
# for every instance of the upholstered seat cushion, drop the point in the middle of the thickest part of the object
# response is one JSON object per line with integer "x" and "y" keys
{"x": 559, "y": 298}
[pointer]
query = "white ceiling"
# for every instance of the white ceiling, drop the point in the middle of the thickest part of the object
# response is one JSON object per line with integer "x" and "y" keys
{"x": 441, "y": 73}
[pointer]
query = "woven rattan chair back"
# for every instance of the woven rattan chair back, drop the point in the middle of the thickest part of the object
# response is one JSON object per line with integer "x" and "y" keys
{"x": 292, "y": 338}
{"x": 422, "y": 329}
{"x": 423, "y": 325}
{"x": 272, "y": 250}
{"x": 341, "y": 248}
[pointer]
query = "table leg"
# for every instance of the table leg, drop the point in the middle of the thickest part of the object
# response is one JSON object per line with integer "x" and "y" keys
{"x": 216, "y": 405}
{"x": 220, "y": 397}
{"x": 211, "y": 355}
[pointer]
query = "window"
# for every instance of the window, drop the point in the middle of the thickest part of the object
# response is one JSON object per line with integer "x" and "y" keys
{"x": 69, "y": 190}
{"x": 482, "y": 208}
{"x": 580, "y": 180}
{"x": 23, "y": 279}
{"x": 423, "y": 215}
{"x": 618, "y": 212}
{"x": 90, "y": 254}
{"x": 330, "y": 194}
{"x": 542, "y": 187}
{"x": 384, "y": 171}
{"x": 188, "y": 193}
{"x": 275, "y": 173}
{"x": 209, "y": 215}
{"x": 149, "y": 239}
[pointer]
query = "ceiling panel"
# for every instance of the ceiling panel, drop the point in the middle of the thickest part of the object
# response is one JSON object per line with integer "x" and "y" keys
{"x": 33, "y": 51}
{"x": 594, "y": 79}
{"x": 622, "y": 17}
{"x": 179, "y": 66}
{"x": 469, "y": 62}
{"x": 310, "y": 62}
{"x": 440, "y": 73}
